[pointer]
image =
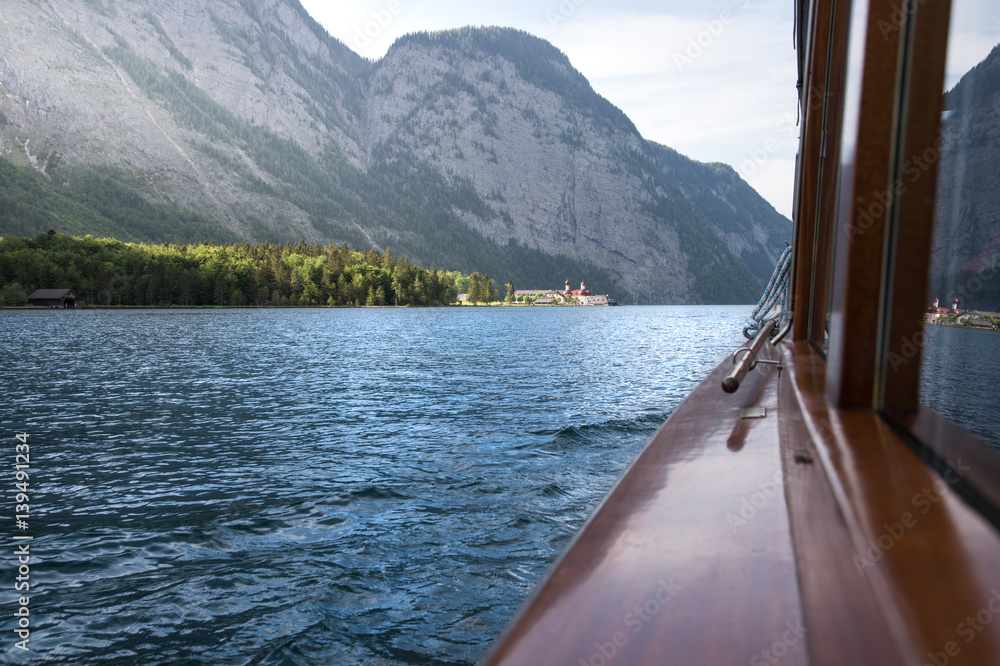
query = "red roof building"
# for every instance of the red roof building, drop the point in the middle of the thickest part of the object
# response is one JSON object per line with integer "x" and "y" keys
{"x": 582, "y": 291}
{"x": 935, "y": 309}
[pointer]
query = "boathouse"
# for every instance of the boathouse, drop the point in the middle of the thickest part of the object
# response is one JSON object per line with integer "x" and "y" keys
{"x": 53, "y": 298}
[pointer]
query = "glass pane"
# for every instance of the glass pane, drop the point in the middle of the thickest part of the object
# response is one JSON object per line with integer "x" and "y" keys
{"x": 961, "y": 351}
{"x": 848, "y": 133}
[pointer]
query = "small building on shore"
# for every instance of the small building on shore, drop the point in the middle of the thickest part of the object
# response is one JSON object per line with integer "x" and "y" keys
{"x": 955, "y": 317}
{"x": 521, "y": 294}
{"x": 566, "y": 296}
{"x": 935, "y": 312}
{"x": 53, "y": 298}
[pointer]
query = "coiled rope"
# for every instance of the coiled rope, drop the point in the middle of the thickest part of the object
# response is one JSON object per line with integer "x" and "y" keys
{"x": 774, "y": 303}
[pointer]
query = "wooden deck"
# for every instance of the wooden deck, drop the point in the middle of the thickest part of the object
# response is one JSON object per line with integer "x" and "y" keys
{"x": 808, "y": 536}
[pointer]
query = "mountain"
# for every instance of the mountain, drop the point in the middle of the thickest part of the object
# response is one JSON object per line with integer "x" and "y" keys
{"x": 475, "y": 149}
{"x": 965, "y": 259}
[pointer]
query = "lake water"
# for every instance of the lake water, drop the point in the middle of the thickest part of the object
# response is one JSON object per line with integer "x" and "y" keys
{"x": 377, "y": 486}
{"x": 958, "y": 378}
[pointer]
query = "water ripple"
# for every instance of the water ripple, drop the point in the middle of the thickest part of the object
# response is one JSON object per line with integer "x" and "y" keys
{"x": 323, "y": 486}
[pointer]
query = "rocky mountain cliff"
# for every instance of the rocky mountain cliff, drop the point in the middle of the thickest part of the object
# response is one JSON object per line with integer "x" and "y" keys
{"x": 966, "y": 248}
{"x": 477, "y": 149}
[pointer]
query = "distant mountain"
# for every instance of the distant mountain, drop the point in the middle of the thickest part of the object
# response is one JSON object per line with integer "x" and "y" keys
{"x": 476, "y": 149}
{"x": 966, "y": 250}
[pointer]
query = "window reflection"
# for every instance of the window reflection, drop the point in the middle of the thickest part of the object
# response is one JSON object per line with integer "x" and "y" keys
{"x": 961, "y": 356}
{"x": 848, "y": 139}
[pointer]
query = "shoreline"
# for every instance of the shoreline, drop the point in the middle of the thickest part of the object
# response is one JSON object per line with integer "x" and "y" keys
{"x": 964, "y": 326}
{"x": 287, "y": 307}
{"x": 495, "y": 304}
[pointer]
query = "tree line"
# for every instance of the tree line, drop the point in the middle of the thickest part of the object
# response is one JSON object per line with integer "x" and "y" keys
{"x": 480, "y": 289}
{"x": 104, "y": 271}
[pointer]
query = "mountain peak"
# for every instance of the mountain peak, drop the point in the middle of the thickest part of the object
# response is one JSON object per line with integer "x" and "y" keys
{"x": 978, "y": 84}
{"x": 475, "y": 148}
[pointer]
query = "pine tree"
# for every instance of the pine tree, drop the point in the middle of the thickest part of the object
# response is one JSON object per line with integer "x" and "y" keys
{"x": 395, "y": 288}
{"x": 510, "y": 292}
{"x": 486, "y": 292}
{"x": 474, "y": 289}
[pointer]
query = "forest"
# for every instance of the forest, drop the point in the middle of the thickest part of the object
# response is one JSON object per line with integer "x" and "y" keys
{"x": 105, "y": 272}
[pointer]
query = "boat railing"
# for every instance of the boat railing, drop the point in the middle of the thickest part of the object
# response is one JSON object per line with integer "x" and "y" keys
{"x": 747, "y": 356}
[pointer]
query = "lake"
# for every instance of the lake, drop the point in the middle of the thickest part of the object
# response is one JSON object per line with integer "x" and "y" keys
{"x": 958, "y": 378}
{"x": 321, "y": 486}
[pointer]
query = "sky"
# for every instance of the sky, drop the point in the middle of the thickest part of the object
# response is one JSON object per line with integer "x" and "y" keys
{"x": 975, "y": 30}
{"x": 713, "y": 79}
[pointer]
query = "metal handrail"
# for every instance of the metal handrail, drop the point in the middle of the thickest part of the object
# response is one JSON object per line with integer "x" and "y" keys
{"x": 782, "y": 333}
{"x": 748, "y": 360}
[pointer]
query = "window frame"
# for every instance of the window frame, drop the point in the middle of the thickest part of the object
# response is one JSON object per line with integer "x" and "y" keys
{"x": 879, "y": 281}
{"x": 822, "y": 103}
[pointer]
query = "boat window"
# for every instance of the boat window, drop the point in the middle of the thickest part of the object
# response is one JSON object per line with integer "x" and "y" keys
{"x": 961, "y": 335}
{"x": 848, "y": 139}
{"x": 822, "y": 109}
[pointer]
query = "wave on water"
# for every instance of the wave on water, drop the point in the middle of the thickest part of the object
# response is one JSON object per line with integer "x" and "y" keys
{"x": 351, "y": 500}
{"x": 378, "y": 493}
{"x": 604, "y": 434}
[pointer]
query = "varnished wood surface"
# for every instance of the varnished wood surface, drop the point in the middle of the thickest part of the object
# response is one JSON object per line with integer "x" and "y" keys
{"x": 814, "y": 532}
{"x": 826, "y": 198}
{"x": 916, "y": 184}
{"x": 834, "y": 596}
{"x": 700, "y": 513}
{"x": 866, "y": 554}
{"x": 936, "y": 438}
{"x": 819, "y": 152}
{"x": 888, "y": 553}
{"x": 809, "y": 164}
{"x": 865, "y": 177}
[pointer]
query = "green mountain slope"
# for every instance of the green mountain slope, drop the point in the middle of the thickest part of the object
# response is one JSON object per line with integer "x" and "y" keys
{"x": 478, "y": 149}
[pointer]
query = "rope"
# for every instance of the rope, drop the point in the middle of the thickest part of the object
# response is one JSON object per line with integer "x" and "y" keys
{"x": 774, "y": 303}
